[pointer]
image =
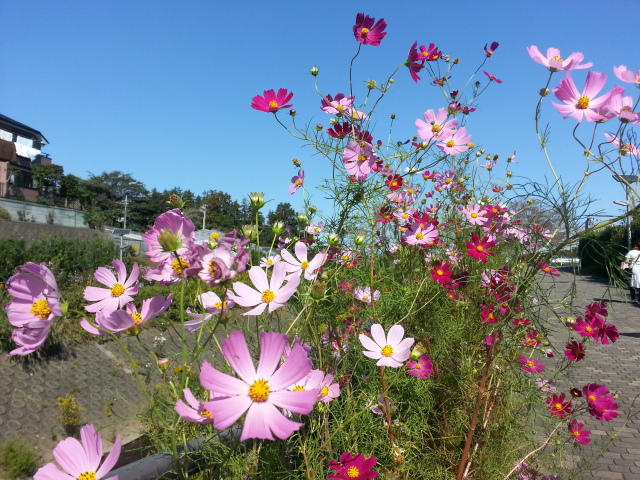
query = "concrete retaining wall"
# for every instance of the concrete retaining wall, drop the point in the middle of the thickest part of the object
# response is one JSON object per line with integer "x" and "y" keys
{"x": 31, "y": 231}
{"x": 46, "y": 214}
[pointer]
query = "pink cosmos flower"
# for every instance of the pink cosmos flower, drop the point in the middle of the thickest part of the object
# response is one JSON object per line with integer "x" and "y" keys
{"x": 259, "y": 392}
{"x": 475, "y": 214}
{"x": 478, "y": 248}
{"x": 316, "y": 380}
{"x": 435, "y": 125}
{"x": 442, "y": 273}
{"x": 576, "y": 430}
{"x": 338, "y": 105}
{"x": 588, "y": 326}
{"x": 418, "y": 234}
{"x": 171, "y": 232}
{"x": 35, "y": 306}
{"x": 489, "y": 51}
{"x": 129, "y": 318}
{"x": 549, "y": 270}
{"x": 530, "y": 365}
{"x": 554, "y": 62}
{"x": 623, "y": 148}
{"x": 557, "y": 405}
{"x": 454, "y": 143}
{"x": 226, "y": 261}
{"x": 492, "y": 78}
{"x": 359, "y": 160}
{"x": 315, "y": 228}
{"x": 171, "y": 271}
{"x": 296, "y": 182}
{"x": 119, "y": 289}
{"x": 421, "y": 368}
{"x": 300, "y": 263}
{"x": 353, "y": 468}
{"x": 196, "y": 411}
{"x": 272, "y": 102}
{"x": 582, "y": 105}
{"x": 213, "y": 306}
{"x": 622, "y": 107}
{"x": 366, "y": 32}
{"x": 267, "y": 292}
{"x": 390, "y": 350}
{"x": 575, "y": 351}
{"x": 627, "y": 75}
{"x": 364, "y": 294}
{"x": 81, "y": 459}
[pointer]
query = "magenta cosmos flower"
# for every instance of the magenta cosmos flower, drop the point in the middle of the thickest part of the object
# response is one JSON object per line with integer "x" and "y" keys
{"x": 338, "y": 105}
{"x": 579, "y": 435}
{"x": 366, "y": 32}
{"x": 627, "y": 75}
{"x": 353, "y": 468}
{"x": 266, "y": 293}
{"x": 554, "y": 62}
{"x": 583, "y": 105}
{"x": 259, "y": 392}
{"x": 81, "y": 460}
{"x": 119, "y": 288}
{"x": 171, "y": 232}
{"x": 455, "y": 143}
{"x": 296, "y": 182}
{"x": 272, "y": 102}
{"x": 421, "y": 368}
{"x": 530, "y": 365}
{"x": 129, "y": 318}
{"x": 390, "y": 350}
{"x": 478, "y": 248}
{"x": 492, "y": 78}
{"x": 35, "y": 306}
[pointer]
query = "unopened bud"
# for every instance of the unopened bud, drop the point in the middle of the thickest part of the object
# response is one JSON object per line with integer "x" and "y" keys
{"x": 176, "y": 201}
{"x": 293, "y": 112}
{"x": 509, "y": 173}
{"x": 213, "y": 240}
{"x": 169, "y": 241}
{"x": 393, "y": 116}
{"x": 256, "y": 200}
{"x": 371, "y": 84}
{"x": 333, "y": 239}
{"x": 313, "y": 209}
{"x": 391, "y": 80}
{"x": 359, "y": 240}
{"x": 278, "y": 227}
{"x": 319, "y": 127}
{"x": 544, "y": 92}
{"x": 314, "y": 71}
{"x": 295, "y": 161}
{"x": 417, "y": 352}
{"x": 318, "y": 290}
{"x": 163, "y": 363}
{"x": 456, "y": 61}
{"x": 250, "y": 231}
{"x": 303, "y": 218}
{"x": 333, "y": 121}
{"x": 471, "y": 145}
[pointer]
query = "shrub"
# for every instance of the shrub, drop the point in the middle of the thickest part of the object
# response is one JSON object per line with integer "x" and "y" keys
{"x": 4, "y": 214}
{"x": 17, "y": 459}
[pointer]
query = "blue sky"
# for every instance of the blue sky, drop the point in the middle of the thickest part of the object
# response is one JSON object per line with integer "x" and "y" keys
{"x": 162, "y": 90}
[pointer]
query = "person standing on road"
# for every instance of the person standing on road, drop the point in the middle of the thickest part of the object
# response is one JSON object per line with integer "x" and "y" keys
{"x": 632, "y": 261}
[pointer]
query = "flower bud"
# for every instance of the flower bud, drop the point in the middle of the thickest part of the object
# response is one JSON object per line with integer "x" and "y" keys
{"x": 471, "y": 145}
{"x": 256, "y": 200}
{"x": 391, "y": 80}
{"x": 319, "y": 127}
{"x": 456, "y": 61}
{"x": 371, "y": 84}
{"x": 313, "y": 209}
{"x": 163, "y": 363}
{"x": 293, "y": 112}
{"x": 417, "y": 352}
{"x": 544, "y": 92}
{"x": 213, "y": 240}
{"x": 393, "y": 116}
{"x": 250, "y": 231}
{"x": 303, "y": 218}
{"x": 509, "y": 174}
{"x": 278, "y": 227}
{"x": 360, "y": 238}
{"x": 529, "y": 201}
{"x": 334, "y": 121}
{"x": 169, "y": 241}
{"x": 295, "y": 161}
{"x": 333, "y": 239}
{"x": 318, "y": 290}
{"x": 176, "y": 201}
{"x": 314, "y": 71}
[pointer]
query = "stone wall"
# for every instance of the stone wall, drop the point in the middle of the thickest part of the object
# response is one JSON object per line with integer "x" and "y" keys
{"x": 43, "y": 214}
{"x": 31, "y": 231}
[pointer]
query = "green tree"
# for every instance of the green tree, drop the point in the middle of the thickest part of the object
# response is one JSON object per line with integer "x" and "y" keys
{"x": 48, "y": 178}
{"x": 223, "y": 213}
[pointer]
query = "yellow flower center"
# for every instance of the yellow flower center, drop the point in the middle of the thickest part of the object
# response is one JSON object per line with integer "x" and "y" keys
{"x": 136, "y": 317}
{"x": 353, "y": 472}
{"x": 557, "y": 58}
{"x": 530, "y": 364}
{"x": 298, "y": 388}
{"x": 387, "y": 351}
{"x": 474, "y": 215}
{"x": 362, "y": 157}
{"x": 418, "y": 366}
{"x": 179, "y": 265}
{"x": 419, "y": 236}
{"x": 268, "y": 296}
{"x": 592, "y": 398}
{"x": 87, "y": 476}
{"x": 117, "y": 290}
{"x": 273, "y": 104}
{"x": 583, "y": 102}
{"x": 298, "y": 183}
{"x": 451, "y": 143}
{"x": 588, "y": 329}
{"x": 364, "y": 32}
{"x": 558, "y": 406}
{"x": 213, "y": 268}
{"x": 436, "y": 128}
{"x": 576, "y": 433}
{"x": 304, "y": 265}
{"x": 40, "y": 309}
{"x": 325, "y": 391}
{"x": 220, "y": 305}
{"x": 340, "y": 108}
{"x": 205, "y": 413}
{"x": 259, "y": 391}
{"x": 440, "y": 272}
{"x": 479, "y": 248}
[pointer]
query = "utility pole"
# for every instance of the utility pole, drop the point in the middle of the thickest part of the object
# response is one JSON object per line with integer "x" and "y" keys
{"x": 203, "y": 207}
{"x": 125, "y": 202}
